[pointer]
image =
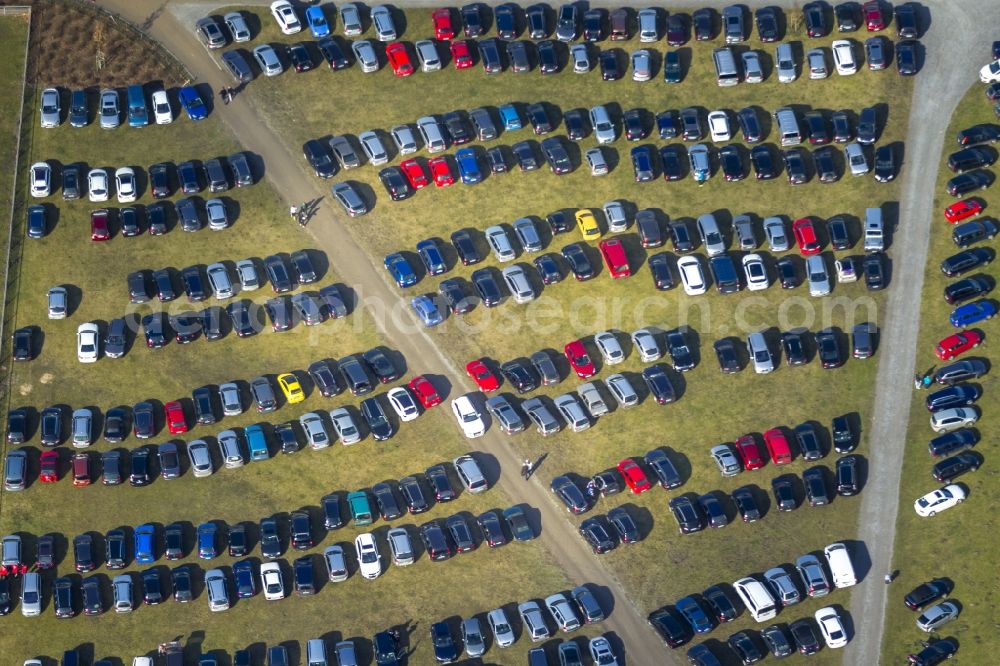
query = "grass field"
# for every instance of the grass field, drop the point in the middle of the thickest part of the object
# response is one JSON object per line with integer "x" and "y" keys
{"x": 957, "y": 544}
{"x": 713, "y": 408}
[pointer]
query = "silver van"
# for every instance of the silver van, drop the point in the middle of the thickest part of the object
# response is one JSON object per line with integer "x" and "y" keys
{"x": 31, "y": 594}
{"x": 316, "y": 652}
{"x": 517, "y": 282}
{"x": 756, "y": 598}
{"x": 760, "y": 355}
{"x": 726, "y": 71}
{"x": 874, "y": 230}
{"x": 430, "y": 132}
{"x": 784, "y": 62}
{"x": 788, "y": 127}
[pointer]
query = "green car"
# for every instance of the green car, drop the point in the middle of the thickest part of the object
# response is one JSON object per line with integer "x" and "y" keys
{"x": 361, "y": 510}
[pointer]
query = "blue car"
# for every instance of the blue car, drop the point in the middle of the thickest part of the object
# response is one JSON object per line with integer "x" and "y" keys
{"x": 510, "y": 118}
{"x": 468, "y": 166}
{"x": 427, "y": 311}
{"x": 145, "y": 550}
{"x": 317, "y": 22}
{"x": 694, "y": 614}
{"x": 206, "y": 541}
{"x": 246, "y": 586}
{"x": 970, "y": 313}
{"x": 400, "y": 270}
{"x": 257, "y": 442}
{"x": 431, "y": 256}
{"x": 191, "y": 101}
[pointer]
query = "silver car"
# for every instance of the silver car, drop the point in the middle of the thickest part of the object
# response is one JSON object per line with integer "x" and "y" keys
{"x": 503, "y": 634}
{"x": 648, "y": 30}
{"x": 604, "y": 129}
{"x": 597, "y": 162}
{"x": 622, "y": 390}
{"x": 215, "y": 586}
{"x": 237, "y": 26}
{"x": 215, "y": 210}
{"x": 726, "y": 459}
{"x": 201, "y": 459}
{"x": 774, "y": 229}
{"x": 312, "y": 426}
{"x": 592, "y": 398}
{"x": 344, "y": 152}
{"x": 57, "y": 303}
{"x": 218, "y": 279}
{"x": 403, "y": 137}
{"x": 343, "y": 423}
{"x": 533, "y": 621}
{"x": 614, "y": 215}
{"x": 51, "y": 108}
{"x": 109, "y": 112}
{"x": 385, "y": 29}
{"x": 711, "y": 237}
{"x": 365, "y": 54}
{"x": 545, "y": 423}
{"x": 819, "y": 277}
{"x": 247, "y": 272}
{"x": 83, "y": 423}
{"x": 611, "y": 350}
{"x": 527, "y": 235}
{"x": 760, "y": 353}
{"x": 336, "y": 563}
{"x": 505, "y": 415}
{"x": 472, "y": 637}
{"x": 31, "y": 594}
{"x": 701, "y": 167}
{"x": 642, "y": 68}
{"x": 500, "y": 243}
{"x": 572, "y": 412}
{"x": 267, "y": 59}
{"x": 743, "y": 225}
{"x": 785, "y": 63}
{"x": 753, "y": 72}
{"x": 470, "y": 475}
{"x": 645, "y": 343}
{"x": 349, "y": 198}
{"x": 562, "y": 612}
{"x": 400, "y": 546}
{"x": 581, "y": 59}
{"x": 374, "y": 150}
{"x": 782, "y": 586}
{"x": 229, "y": 449}
{"x": 350, "y": 18}
{"x": 934, "y": 617}
{"x": 817, "y": 64}
{"x": 813, "y": 577}
{"x": 122, "y": 587}
{"x": 428, "y": 56}
{"x": 232, "y": 405}
{"x": 856, "y": 160}
{"x": 518, "y": 284}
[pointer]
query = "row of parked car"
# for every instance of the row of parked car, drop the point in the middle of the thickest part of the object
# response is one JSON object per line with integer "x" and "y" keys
{"x": 140, "y": 110}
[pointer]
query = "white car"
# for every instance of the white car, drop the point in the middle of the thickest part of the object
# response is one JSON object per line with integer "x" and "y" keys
{"x": 374, "y": 150}
{"x": 86, "y": 343}
{"x": 470, "y": 420}
{"x": 938, "y": 500}
{"x": 403, "y": 404}
{"x": 645, "y": 342}
{"x": 315, "y": 431}
{"x": 343, "y": 423}
{"x": 369, "y": 560}
{"x": 608, "y": 345}
{"x": 267, "y": 59}
{"x": 718, "y": 126}
{"x": 247, "y": 272}
{"x": 427, "y": 54}
{"x": 843, "y": 57}
{"x": 614, "y": 214}
{"x": 642, "y": 67}
{"x": 847, "y": 270}
{"x": 271, "y": 581}
{"x": 601, "y": 652}
{"x": 947, "y": 420}
{"x": 581, "y": 60}
{"x": 237, "y": 26}
{"x": 604, "y": 129}
{"x": 365, "y": 54}
{"x": 201, "y": 459}
{"x": 125, "y": 184}
{"x": 41, "y": 179}
{"x": 756, "y": 274}
{"x": 777, "y": 239}
{"x": 990, "y": 73}
{"x": 284, "y": 14}
{"x": 162, "y": 111}
{"x": 831, "y": 627}
{"x": 692, "y": 276}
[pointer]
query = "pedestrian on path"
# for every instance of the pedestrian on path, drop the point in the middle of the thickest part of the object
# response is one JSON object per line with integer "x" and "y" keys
{"x": 293, "y": 211}
{"x": 889, "y": 577}
{"x": 526, "y": 469}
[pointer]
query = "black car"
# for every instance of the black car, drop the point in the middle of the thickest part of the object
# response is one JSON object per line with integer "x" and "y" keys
{"x": 472, "y": 22}
{"x": 720, "y": 604}
{"x": 453, "y": 293}
{"x": 846, "y": 16}
{"x": 45, "y": 551}
{"x": 303, "y": 576}
{"x": 714, "y": 510}
{"x": 325, "y": 379}
{"x": 828, "y": 349}
{"x": 575, "y": 121}
{"x": 777, "y": 641}
{"x": 17, "y": 425}
{"x": 487, "y": 287}
{"x": 548, "y": 58}
{"x": 659, "y": 268}
{"x": 784, "y": 493}
{"x": 181, "y": 584}
{"x": 965, "y": 289}
{"x": 953, "y": 442}
{"x": 139, "y": 470}
{"x": 666, "y": 124}
{"x": 92, "y": 602}
{"x": 767, "y": 24}
{"x": 173, "y": 537}
{"x": 794, "y": 347}
{"x": 270, "y": 541}
{"x": 795, "y": 166}
{"x": 333, "y": 518}
{"x": 808, "y": 441}
{"x": 128, "y": 221}
{"x": 548, "y": 269}
{"x": 537, "y": 21}
{"x": 609, "y": 62}
{"x": 441, "y": 486}
{"x": 152, "y": 589}
{"x": 277, "y": 274}
{"x": 731, "y": 163}
{"x": 301, "y": 530}
{"x": 153, "y": 328}
{"x": 984, "y": 133}
{"x": 816, "y": 128}
{"x": 847, "y": 476}
{"x": 648, "y": 227}
{"x": 826, "y": 167}
{"x": 24, "y": 348}
{"x": 559, "y": 222}
{"x": 843, "y": 435}
{"x": 156, "y": 219}
{"x": 375, "y": 418}
{"x": 906, "y": 58}
{"x": 763, "y": 163}
{"x": 527, "y": 160}
{"x": 953, "y": 396}
{"x": 814, "y": 479}
{"x": 465, "y": 247}
{"x": 966, "y": 260}
{"x": 934, "y": 653}
{"x": 299, "y": 55}
{"x": 674, "y": 630}
{"x": 746, "y": 647}
{"x": 625, "y": 527}
{"x": 836, "y": 228}
{"x": 703, "y": 20}
{"x": 579, "y": 264}
{"x": 971, "y": 158}
{"x": 815, "y": 19}
{"x": 725, "y": 352}
{"x": 539, "y": 118}
{"x": 750, "y": 125}
{"x": 659, "y": 385}
{"x": 556, "y": 155}
{"x": 680, "y": 352}
{"x": 319, "y": 158}
{"x": 381, "y": 366}
{"x": 506, "y": 20}
{"x": 928, "y": 593}
{"x": 332, "y": 52}
{"x": 520, "y": 376}
{"x": 672, "y": 162}
{"x": 388, "y": 507}
{"x": 874, "y": 271}
{"x": 460, "y": 534}
{"x": 489, "y": 54}
{"x": 746, "y": 504}
{"x": 51, "y": 426}
{"x": 964, "y": 183}
{"x": 593, "y": 25}
{"x": 642, "y": 163}
{"x": 83, "y": 553}
{"x": 62, "y": 598}
{"x": 596, "y": 533}
{"x": 244, "y": 324}
{"x": 186, "y": 326}
{"x": 395, "y": 183}
{"x": 805, "y": 636}
{"x": 445, "y": 650}
{"x": 187, "y": 174}
{"x": 413, "y": 494}
{"x": 688, "y": 515}
{"x": 497, "y": 159}
{"x": 492, "y": 529}
{"x": 672, "y": 71}
{"x": 435, "y": 541}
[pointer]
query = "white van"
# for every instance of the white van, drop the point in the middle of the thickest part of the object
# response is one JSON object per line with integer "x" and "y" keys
{"x": 840, "y": 565}
{"x": 726, "y": 71}
{"x": 316, "y": 652}
{"x": 756, "y": 598}
{"x": 874, "y": 230}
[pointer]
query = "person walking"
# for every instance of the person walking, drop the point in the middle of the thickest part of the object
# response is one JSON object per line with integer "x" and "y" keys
{"x": 888, "y": 578}
{"x": 293, "y": 211}
{"x": 525, "y": 469}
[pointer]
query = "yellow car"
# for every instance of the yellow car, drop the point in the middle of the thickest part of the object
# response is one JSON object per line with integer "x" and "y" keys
{"x": 587, "y": 224}
{"x": 291, "y": 388}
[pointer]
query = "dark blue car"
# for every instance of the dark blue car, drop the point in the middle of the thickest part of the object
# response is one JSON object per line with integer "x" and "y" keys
{"x": 468, "y": 166}
{"x": 432, "y": 257}
{"x": 206, "y": 541}
{"x": 400, "y": 270}
{"x": 642, "y": 163}
{"x": 191, "y": 101}
{"x": 692, "y": 611}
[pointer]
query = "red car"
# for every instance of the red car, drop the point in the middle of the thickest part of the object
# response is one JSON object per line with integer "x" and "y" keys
{"x": 461, "y": 54}
{"x": 176, "y": 422}
{"x": 874, "y": 20}
{"x": 399, "y": 59}
{"x": 50, "y": 466}
{"x": 425, "y": 391}
{"x": 482, "y": 375}
{"x": 443, "y": 28}
{"x": 958, "y": 344}
{"x": 99, "y": 230}
{"x": 777, "y": 446}
{"x": 805, "y": 236}
{"x": 749, "y": 452}
{"x": 577, "y": 355}
{"x": 635, "y": 478}
{"x": 963, "y": 209}
{"x": 441, "y": 171}
{"x": 81, "y": 470}
{"x": 613, "y": 253}
{"x": 414, "y": 172}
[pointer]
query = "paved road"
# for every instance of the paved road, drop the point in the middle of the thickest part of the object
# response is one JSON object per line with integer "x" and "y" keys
{"x": 285, "y": 172}
{"x": 953, "y": 64}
